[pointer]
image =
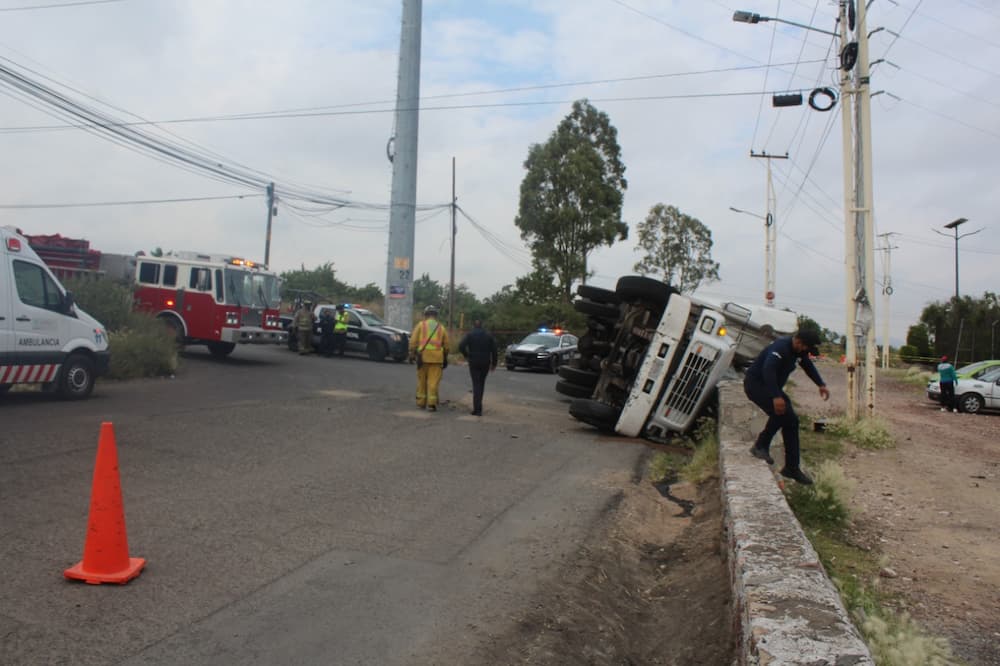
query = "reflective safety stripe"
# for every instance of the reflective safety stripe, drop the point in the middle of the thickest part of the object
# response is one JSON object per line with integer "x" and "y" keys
{"x": 28, "y": 374}
{"x": 430, "y": 342}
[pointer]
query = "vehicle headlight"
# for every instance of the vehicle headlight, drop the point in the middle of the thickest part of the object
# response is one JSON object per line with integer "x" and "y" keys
{"x": 396, "y": 337}
{"x": 544, "y": 354}
{"x": 232, "y": 319}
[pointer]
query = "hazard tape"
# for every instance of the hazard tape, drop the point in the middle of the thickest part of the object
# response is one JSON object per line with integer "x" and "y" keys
{"x": 28, "y": 374}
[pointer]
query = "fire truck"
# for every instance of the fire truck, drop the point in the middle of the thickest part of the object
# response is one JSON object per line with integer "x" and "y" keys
{"x": 214, "y": 300}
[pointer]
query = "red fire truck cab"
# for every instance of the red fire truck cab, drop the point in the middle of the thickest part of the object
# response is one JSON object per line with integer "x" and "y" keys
{"x": 212, "y": 300}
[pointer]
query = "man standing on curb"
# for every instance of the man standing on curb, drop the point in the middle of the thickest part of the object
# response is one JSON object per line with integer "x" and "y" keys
{"x": 480, "y": 349}
{"x": 429, "y": 350}
{"x": 946, "y": 380}
{"x": 764, "y": 385}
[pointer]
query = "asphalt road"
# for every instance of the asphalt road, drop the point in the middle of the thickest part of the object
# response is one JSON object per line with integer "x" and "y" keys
{"x": 294, "y": 510}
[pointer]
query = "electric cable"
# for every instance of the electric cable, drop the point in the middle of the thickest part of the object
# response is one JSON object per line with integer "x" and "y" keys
{"x": 134, "y": 202}
{"x": 770, "y": 52}
{"x": 58, "y": 5}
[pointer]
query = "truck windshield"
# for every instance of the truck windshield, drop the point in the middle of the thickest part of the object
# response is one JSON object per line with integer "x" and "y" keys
{"x": 250, "y": 289}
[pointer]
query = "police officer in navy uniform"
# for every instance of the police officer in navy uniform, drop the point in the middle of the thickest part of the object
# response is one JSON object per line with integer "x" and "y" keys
{"x": 764, "y": 385}
{"x": 480, "y": 349}
{"x": 326, "y": 331}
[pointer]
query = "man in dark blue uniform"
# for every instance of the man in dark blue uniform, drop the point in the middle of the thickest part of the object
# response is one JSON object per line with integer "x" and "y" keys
{"x": 480, "y": 349}
{"x": 764, "y": 385}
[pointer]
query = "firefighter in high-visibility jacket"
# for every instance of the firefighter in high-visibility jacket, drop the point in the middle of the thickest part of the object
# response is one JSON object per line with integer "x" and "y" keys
{"x": 340, "y": 330}
{"x": 429, "y": 350}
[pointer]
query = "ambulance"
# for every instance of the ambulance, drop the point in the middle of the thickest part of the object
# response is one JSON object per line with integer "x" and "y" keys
{"x": 44, "y": 337}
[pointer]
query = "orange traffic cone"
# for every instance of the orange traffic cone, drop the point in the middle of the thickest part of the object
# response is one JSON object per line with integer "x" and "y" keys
{"x": 105, "y": 552}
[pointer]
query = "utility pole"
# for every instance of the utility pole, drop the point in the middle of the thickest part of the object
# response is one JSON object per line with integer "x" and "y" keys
{"x": 850, "y": 247}
{"x": 402, "y": 213}
{"x": 866, "y": 206}
{"x": 886, "y": 293}
{"x": 270, "y": 213}
{"x": 770, "y": 230}
{"x": 451, "y": 290}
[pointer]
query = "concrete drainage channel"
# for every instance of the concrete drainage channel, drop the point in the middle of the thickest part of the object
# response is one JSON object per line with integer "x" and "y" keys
{"x": 787, "y": 611}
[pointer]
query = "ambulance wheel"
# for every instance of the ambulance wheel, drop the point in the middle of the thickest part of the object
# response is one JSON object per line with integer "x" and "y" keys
{"x": 221, "y": 349}
{"x": 377, "y": 350}
{"x": 76, "y": 381}
{"x": 4, "y": 388}
{"x": 601, "y": 416}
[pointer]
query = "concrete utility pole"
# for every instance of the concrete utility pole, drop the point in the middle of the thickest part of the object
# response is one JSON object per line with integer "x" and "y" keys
{"x": 402, "y": 214}
{"x": 886, "y": 293}
{"x": 850, "y": 247}
{"x": 770, "y": 230}
{"x": 451, "y": 290}
{"x": 270, "y": 213}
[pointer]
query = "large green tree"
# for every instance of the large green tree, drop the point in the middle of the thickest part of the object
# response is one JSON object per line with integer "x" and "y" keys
{"x": 678, "y": 249}
{"x": 572, "y": 194}
{"x": 965, "y": 328}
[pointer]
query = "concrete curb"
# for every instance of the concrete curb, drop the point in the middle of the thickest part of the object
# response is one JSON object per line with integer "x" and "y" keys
{"x": 786, "y": 609}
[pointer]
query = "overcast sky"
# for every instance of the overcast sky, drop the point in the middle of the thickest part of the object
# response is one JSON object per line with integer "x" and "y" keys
{"x": 935, "y": 131}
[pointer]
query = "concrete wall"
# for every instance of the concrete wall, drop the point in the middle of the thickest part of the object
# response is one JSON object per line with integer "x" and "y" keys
{"x": 786, "y": 609}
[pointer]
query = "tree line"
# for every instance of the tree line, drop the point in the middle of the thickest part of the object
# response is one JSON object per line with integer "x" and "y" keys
{"x": 964, "y": 329}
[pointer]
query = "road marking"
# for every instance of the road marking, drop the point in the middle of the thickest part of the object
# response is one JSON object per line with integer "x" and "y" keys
{"x": 339, "y": 393}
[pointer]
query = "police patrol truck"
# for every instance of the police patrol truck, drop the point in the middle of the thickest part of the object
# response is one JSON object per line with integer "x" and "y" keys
{"x": 44, "y": 337}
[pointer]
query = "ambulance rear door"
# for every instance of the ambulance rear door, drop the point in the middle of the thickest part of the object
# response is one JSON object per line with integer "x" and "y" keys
{"x": 6, "y": 320}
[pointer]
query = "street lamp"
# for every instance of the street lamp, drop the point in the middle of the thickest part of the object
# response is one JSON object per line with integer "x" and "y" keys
{"x": 751, "y": 17}
{"x": 954, "y": 227}
{"x": 770, "y": 252}
{"x": 993, "y": 330}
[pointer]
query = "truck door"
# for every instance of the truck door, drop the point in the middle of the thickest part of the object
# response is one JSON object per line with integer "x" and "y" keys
{"x": 40, "y": 327}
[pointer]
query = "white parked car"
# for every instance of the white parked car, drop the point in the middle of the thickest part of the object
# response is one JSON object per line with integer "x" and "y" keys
{"x": 973, "y": 395}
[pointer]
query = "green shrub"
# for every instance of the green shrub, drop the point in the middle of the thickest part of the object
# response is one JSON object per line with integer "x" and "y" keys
{"x": 870, "y": 433}
{"x": 825, "y": 503}
{"x": 107, "y": 301}
{"x": 142, "y": 348}
{"x": 909, "y": 353}
{"x": 704, "y": 464}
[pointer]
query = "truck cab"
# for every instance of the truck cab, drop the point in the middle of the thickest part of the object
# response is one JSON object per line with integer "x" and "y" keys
{"x": 45, "y": 338}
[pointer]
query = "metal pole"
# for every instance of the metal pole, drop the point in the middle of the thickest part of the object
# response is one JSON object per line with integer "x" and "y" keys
{"x": 399, "y": 264}
{"x": 270, "y": 212}
{"x": 451, "y": 290}
{"x": 850, "y": 249}
{"x": 956, "y": 264}
{"x": 993, "y": 330}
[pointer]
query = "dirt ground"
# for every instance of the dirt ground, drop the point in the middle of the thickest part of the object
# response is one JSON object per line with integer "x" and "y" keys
{"x": 650, "y": 587}
{"x": 931, "y": 506}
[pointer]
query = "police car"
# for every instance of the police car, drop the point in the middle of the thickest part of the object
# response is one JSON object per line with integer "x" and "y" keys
{"x": 45, "y": 338}
{"x": 366, "y": 333}
{"x": 545, "y": 348}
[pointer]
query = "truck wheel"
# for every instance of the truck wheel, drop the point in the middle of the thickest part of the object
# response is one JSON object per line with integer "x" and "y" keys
{"x": 572, "y": 390}
{"x": 174, "y": 329}
{"x": 639, "y": 288}
{"x": 221, "y": 349}
{"x": 599, "y": 310}
{"x": 76, "y": 380}
{"x": 377, "y": 350}
{"x": 597, "y": 294}
{"x": 601, "y": 416}
{"x": 585, "y": 378}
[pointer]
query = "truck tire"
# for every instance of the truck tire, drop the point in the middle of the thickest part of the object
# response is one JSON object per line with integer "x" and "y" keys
{"x": 588, "y": 344}
{"x": 597, "y": 294}
{"x": 174, "y": 328}
{"x": 601, "y": 311}
{"x": 639, "y": 288}
{"x": 377, "y": 350}
{"x": 221, "y": 349}
{"x": 76, "y": 379}
{"x": 601, "y": 416}
{"x": 573, "y": 390}
{"x": 585, "y": 378}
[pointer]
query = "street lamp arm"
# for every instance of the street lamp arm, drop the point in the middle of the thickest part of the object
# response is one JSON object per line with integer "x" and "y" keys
{"x": 971, "y": 232}
{"x": 746, "y": 212}
{"x": 751, "y": 17}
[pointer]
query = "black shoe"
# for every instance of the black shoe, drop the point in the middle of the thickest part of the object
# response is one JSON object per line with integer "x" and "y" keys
{"x": 797, "y": 475}
{"x": 762, "y": 454}
{"x": 475, "y": 413}
{"x": 432, "y": 408}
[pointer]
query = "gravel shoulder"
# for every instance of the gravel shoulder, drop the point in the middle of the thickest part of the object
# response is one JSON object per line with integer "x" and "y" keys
{"x": 931, "y": 507}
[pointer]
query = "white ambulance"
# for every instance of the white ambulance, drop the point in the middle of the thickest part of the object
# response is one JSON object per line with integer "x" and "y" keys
{"x": 44, "y": 337}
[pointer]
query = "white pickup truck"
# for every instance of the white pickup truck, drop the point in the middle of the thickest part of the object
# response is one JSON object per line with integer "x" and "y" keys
{"x": 651, "y": 357}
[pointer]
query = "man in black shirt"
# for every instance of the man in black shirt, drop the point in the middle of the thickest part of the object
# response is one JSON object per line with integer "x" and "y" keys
{"x": 480, "y": 349}
{"x": 764, "y": 385}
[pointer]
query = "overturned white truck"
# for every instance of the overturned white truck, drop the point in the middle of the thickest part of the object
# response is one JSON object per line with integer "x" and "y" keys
{"x": 651, "y": 357}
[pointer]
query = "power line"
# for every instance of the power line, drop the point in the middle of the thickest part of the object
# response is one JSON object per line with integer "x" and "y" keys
{"x": 134, "y": 202}
{"x": 770, "y": 52}
{"x": 26, "y": 8}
